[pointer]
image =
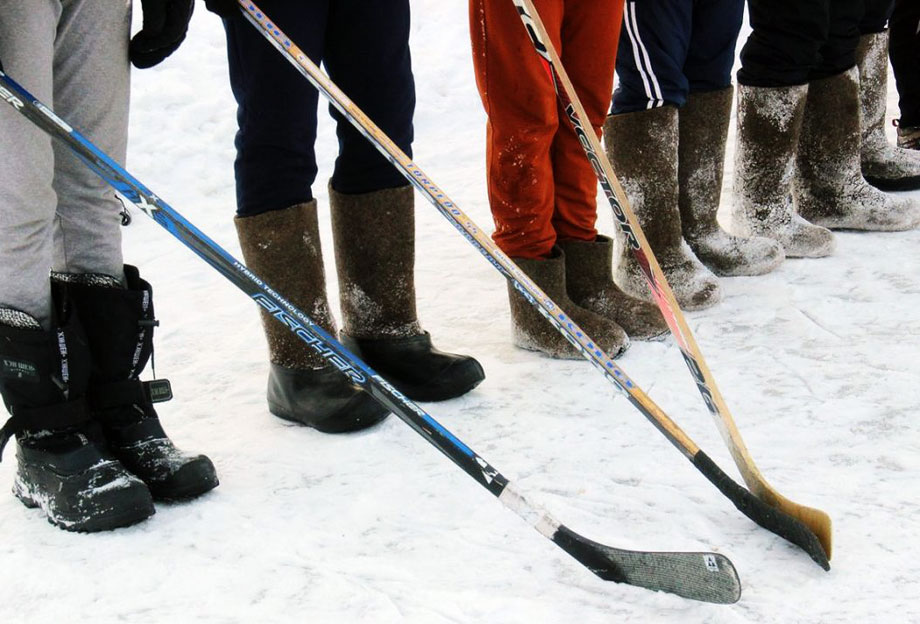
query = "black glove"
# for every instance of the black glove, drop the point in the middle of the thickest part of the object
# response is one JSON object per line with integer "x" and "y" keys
{"x": 228, "y": 9}
{"x": 165, "y": 25}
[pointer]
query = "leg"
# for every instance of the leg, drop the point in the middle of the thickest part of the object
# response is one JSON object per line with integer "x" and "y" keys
{"x": 905, "y": 57}
{"x": 373, "y": 212}
{"x": 703, "y": 123}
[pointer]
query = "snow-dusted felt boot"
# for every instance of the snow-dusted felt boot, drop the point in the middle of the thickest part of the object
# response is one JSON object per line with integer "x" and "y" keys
{"x": 43, "y": 379}
{"x": 769, "y": 125}
{"x": 703, "y": 122}
{"x": 374, "y": 236}
{"x": 884, "y": 165}
{"x": 531, "y": 331}
{"x": 119, "y": 321}
{"x": 642, "y": 148}
{"x": 283, "y": 248}
{"x": 829, "y": 187}
{"x": 589, "y": 284}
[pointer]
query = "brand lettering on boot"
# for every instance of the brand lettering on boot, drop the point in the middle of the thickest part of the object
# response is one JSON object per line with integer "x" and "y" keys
{"x": 17, "y": 369}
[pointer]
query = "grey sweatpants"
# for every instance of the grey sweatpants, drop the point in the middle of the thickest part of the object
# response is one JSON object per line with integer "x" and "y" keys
{"x": 56, "y": 214}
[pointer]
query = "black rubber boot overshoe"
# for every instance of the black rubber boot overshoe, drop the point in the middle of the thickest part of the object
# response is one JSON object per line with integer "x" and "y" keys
{"x": 43, "y": 378}
{"x": 416, "y": 368}
{"x": 283, "y": 247}
{"x": 323, "y": 399}
{"x": 119, "y": 324}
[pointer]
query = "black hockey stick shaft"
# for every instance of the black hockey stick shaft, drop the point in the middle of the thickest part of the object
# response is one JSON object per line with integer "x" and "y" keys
{"x": 701, "y": 576}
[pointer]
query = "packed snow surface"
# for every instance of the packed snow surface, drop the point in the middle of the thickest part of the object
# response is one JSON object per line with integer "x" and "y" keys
{"x": 818, "y": 362}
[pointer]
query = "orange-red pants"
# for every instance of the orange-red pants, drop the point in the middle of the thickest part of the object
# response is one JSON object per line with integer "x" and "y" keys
{"x": 541, "y": 185}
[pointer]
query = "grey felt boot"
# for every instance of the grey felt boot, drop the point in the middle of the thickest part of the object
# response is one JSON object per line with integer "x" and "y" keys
{"x": 283, "y": 248}
{"x": 589, "y": 284}
{"x": 531, "y": 331}
{"x": 374, "y": 236}
{"x": 643, "y": 149}
{"x": 884, "y": 165}
{"x": 769, "y": 125}
{"x": 829, "y": 187}
{"x": 703, "y": 129}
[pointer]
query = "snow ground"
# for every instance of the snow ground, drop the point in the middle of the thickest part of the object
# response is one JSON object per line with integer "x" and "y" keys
{"x": 817, "y": 360}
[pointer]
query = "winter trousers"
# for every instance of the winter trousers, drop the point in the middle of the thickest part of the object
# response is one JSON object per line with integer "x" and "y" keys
{"x": 671, "y": 48}
{"x": 541, "y": 186}
{"x": 54, "y": 212}
{"x": 796, "y": 41}
{"x": 364, "y": 46}
{"x": 905, "y": 58}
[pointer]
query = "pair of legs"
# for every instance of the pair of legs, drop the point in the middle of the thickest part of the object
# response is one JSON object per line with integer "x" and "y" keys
{"x": 666, "y": 140}
{"x": 801, "y": 152}
{"x": 542, "y": 189}
{"x": 91, "y": 452}
{"x": 364, "y": 48}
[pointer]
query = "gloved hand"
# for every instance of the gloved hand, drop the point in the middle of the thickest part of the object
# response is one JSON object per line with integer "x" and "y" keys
{"x": 165, "y": 25}
{"x": 229, "y": 9}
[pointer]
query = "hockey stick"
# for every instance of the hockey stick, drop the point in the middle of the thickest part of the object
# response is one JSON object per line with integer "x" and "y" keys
{"x": 815, "y": 520}
{"x": 702, "y": 576}
{"x": 780, "y": 523}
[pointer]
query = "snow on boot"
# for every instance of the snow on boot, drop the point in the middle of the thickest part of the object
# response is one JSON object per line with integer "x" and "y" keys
{"x": 642, "y": 148}
{"x": 703, "y": 123}
{"x": 43, "y": 379}
{"x": 769, "y": 125}
{"x": 374, "y": 236}
{"x": 531, "y": 331}
{"x": 119, "y": 321}
{"x": 283, "y": 248}
{"x": 589, "y": 284}
{"x": 884, "y": 165}
{"x": 829, "y": 187}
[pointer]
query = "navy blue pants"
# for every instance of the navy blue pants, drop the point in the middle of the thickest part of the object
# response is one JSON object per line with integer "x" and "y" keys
{"x": 796, "y": 41}
{"x": 669, "y": 48}
{"x": 364, "y": 48}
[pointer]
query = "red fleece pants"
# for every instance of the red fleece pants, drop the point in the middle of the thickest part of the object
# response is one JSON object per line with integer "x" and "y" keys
{"x": 541, "y": 185}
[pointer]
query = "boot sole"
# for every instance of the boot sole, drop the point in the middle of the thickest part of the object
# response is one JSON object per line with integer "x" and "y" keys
{"x": 136, "y": 511}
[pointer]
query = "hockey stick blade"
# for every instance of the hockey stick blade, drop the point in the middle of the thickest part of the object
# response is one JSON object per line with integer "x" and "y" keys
{"x": 648, "y": 570}
{"x": 770, "y": 518}
{"x": 704, "y": 576}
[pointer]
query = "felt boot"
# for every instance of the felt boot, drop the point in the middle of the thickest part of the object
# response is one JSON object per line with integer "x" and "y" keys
{"x": 703, "y": 129}
{"x": 829, "y": 187}
{"x": 589, "y": 284}
{"x": 374, "y": 236}
{"x": 885, "y": 166}
{"x": 60, "y": 468}
{"x": 769, "y": 125}
{"x": 283, "y": 248}
{"x": 643, "y": 149}
{"x": 119, "y": 322}
{"x": 531, "y": 331}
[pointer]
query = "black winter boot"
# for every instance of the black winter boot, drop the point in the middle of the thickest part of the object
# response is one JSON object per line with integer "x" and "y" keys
{"x": 589, "y": 284}
{"x": 704, "y": 123}
{"x": 531, "y": 331}
{"x": 283, "y": 248}
{"x": 119, "y": 324}
{"x": 829, "y": 186}
{"x": 43, "y": 379}
{"x": 643, "y": 149}
{"x": 374, "y": 237}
